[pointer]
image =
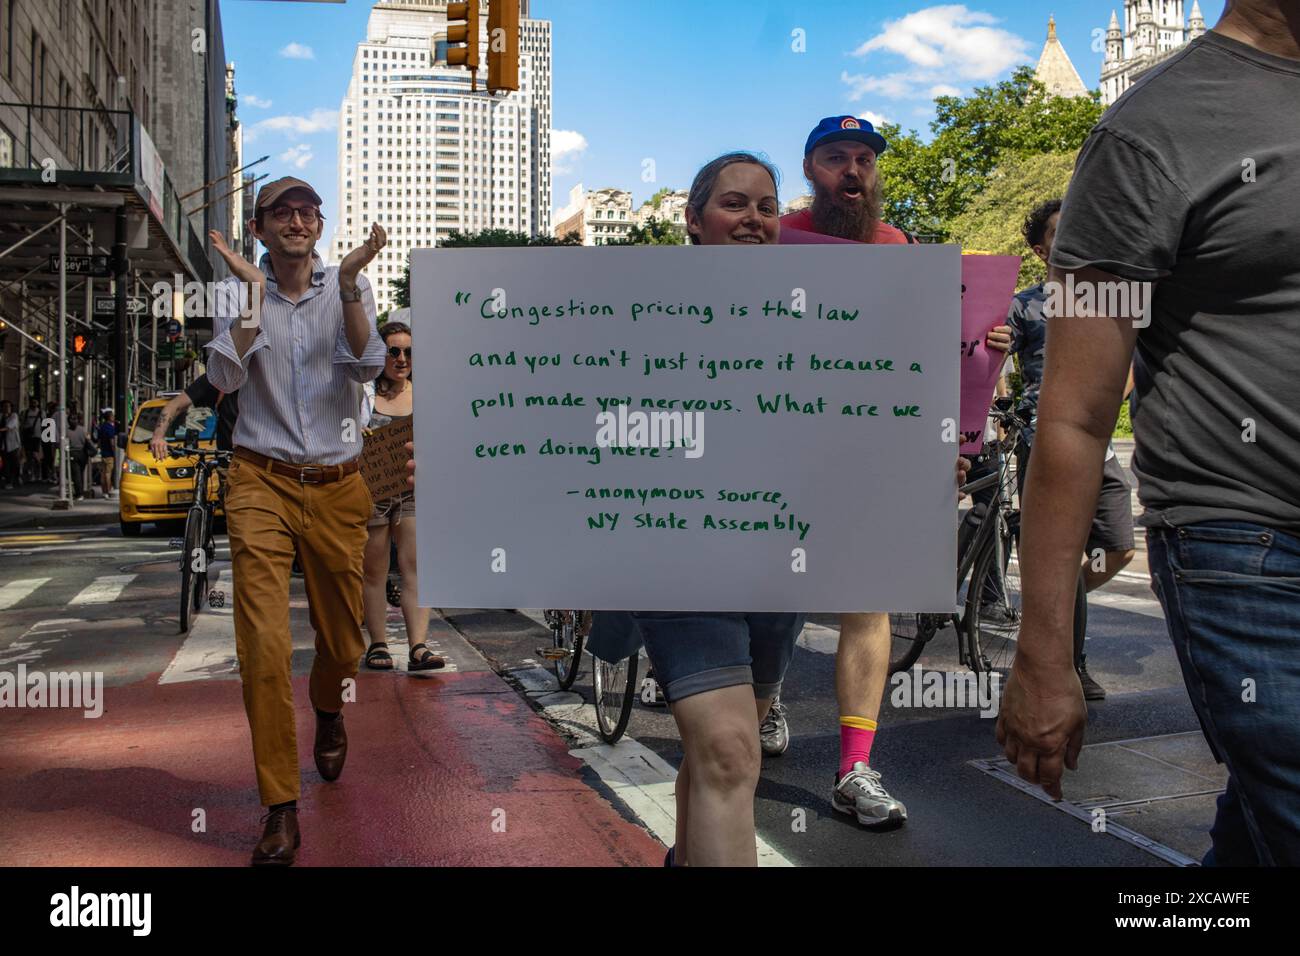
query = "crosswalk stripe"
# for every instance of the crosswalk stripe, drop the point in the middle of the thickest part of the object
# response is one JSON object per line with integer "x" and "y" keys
{"x": 103, "y": 590}
{"x": 1149, "y": 607}
{"x": 15, "y": 591}
{"x": 209, "y": 649}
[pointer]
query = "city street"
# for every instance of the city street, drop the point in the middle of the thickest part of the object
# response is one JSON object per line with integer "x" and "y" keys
{"x": 434, "y": 757}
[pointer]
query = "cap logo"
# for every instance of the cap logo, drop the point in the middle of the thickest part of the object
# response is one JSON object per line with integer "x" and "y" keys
{"x": 850, "y": 123}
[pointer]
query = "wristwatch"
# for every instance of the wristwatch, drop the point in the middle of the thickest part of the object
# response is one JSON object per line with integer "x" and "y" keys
{"x": 353, "y": 296}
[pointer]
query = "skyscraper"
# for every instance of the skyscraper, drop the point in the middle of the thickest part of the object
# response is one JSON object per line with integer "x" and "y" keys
{"x": 422, "y": 155}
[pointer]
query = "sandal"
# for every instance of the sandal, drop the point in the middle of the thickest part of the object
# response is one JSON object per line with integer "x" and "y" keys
{"x": 429, "y": 661}
{"x": 378, "y": 658}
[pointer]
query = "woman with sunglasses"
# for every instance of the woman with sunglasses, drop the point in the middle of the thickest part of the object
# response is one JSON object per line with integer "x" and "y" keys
{"x": 393, "y": 398}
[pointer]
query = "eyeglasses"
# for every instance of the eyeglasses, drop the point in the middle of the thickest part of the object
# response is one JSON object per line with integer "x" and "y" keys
{"x": 284, "y": 214}
{"x": 395, "y": 352}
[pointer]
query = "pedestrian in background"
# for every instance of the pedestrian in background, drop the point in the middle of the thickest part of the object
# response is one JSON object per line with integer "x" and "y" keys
{"x": 29, "y": 423}
{"x": 10, "y": 444}
{"x": 48, "y": 448}
{"x": 106, "y": 440}
{"x": 298, "y": 355}
{"x": 394, "y": 397}
{"x": 80, "y": 448}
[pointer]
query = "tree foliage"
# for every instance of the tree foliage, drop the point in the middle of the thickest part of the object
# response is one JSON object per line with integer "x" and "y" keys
{"x": 488, "y": 238}
{"x": 654, "y": 233}
{"x": 992, "y": 220}
{"x": 928, "y": 185}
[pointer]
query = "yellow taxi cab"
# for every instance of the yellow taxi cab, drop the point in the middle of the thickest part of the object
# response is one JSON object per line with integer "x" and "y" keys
{"x": 153, "y": 490}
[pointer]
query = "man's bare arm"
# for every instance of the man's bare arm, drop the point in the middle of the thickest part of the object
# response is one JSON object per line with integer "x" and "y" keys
{"x": 1087, "y": 362}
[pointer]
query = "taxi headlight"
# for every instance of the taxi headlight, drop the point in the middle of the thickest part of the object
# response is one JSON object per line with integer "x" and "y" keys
{"x": 133, "y": 467}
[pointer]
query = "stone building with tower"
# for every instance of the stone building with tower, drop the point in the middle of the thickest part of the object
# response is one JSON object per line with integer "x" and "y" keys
{"x": 1152, "y": 31}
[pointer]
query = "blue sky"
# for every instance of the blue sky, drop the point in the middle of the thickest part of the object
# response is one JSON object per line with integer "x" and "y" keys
{"x": 672, "y": 81}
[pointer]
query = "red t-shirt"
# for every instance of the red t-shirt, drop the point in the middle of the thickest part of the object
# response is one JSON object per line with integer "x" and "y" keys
{"x": 885, "y": 234}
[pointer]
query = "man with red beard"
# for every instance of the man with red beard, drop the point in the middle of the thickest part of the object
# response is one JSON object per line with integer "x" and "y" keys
{"x": 840, "y": 164}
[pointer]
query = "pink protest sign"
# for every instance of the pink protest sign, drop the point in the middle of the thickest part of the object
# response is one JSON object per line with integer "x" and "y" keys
{"x": 987, "y": 284}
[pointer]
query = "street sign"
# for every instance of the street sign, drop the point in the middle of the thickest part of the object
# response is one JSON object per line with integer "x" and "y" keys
{"x": 99, "y": 266}
{"x": 136, "y": 305}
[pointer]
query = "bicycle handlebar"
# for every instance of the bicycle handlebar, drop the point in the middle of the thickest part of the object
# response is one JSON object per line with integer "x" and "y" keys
{"x": 182, "y": 451}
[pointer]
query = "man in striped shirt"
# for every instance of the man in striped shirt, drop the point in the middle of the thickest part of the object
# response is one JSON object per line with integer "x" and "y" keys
{"x": 297, "y": 340}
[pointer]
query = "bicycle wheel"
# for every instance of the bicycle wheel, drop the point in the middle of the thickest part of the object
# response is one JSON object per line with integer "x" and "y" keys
{"x": 993, "y": 604}
{"x": 565, "y": 635}
{"x": 191, "y": 581}
{"x": 615, "y": 691}
{"x": 909, "y": 634}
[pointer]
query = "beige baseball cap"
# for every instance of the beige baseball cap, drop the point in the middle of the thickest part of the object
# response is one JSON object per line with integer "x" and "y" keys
{"x": 268, "y": 194}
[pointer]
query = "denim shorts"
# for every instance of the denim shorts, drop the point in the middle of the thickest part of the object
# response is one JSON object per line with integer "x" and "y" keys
{"x": 692, "y": 652}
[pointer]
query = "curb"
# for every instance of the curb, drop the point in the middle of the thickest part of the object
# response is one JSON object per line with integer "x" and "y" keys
{"x": 58, "y": 519}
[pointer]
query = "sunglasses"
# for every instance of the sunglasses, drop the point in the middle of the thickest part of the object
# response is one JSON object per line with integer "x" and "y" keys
{"x": 395, "y": 352}
{"x": 284, "y": 214}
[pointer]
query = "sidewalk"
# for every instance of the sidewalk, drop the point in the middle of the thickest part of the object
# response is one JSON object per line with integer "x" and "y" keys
{"x": 31, "y": 506}
{"x": 452, "y": 771}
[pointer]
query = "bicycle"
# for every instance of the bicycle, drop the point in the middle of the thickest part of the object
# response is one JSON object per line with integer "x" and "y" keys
{"x": 199, "y": 545}
{"x": 614, "y": 686}
{"x": 987, "y": 619}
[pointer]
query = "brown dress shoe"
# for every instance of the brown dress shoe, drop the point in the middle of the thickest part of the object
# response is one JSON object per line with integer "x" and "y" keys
{"x": 331, "y": 747}
{"x": 280, "y": 840}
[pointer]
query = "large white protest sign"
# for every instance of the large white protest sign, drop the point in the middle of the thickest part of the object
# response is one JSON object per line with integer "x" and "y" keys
{"x": 812, "y": 459}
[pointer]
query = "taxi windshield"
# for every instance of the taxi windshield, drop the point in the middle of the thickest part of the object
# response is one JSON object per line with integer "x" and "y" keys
{"x": 203, "y": 420}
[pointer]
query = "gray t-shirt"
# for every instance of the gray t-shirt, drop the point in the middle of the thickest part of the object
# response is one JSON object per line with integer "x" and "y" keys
{"x": 1192, "y": 180}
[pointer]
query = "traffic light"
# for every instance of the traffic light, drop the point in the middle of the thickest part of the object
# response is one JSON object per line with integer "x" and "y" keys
{"x": 83, "y": 343}
{"x": 503, "y": 45}
{"x": 462, "y": 38}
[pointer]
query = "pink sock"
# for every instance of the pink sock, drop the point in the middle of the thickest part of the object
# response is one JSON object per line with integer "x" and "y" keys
{"x": 855, "y": 745}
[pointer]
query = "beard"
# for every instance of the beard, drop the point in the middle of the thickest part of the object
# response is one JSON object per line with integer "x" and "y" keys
{"x": 847, "y": 220}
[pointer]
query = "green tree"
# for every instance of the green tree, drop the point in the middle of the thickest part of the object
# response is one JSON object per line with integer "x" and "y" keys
{"x": 928, "y": 185}
{"x": 992, "y": 220}
{"x": 460, "y": 240}
{"x": 653, "y": 233}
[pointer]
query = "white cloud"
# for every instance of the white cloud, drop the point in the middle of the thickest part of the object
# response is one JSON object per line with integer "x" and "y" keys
{"x": 319, "y": 121}
{"x": 874, "y": 118}
{"x": 298, "y": 51}
{"x": 941, "y": 43}
{"x": 297, "y": 156}
{"x": 567, "y": 146}
{"x": 252, "y": 99}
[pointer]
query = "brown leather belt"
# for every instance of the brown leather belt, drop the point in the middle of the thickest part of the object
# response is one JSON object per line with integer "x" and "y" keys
{"x": 306, "y": 474}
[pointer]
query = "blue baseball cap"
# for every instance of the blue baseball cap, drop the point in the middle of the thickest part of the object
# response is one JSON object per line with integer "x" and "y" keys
{"x": 835, "y": 128}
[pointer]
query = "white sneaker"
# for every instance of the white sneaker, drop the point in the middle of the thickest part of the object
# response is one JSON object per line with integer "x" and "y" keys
{"x": 860, "y": 792}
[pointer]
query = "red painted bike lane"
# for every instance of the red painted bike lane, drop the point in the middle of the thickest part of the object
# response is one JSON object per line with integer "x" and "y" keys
{"x": 454, "y": 770}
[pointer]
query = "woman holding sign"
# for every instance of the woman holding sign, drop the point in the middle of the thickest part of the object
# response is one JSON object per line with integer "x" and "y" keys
{"x": 720, "y": 671}
{"x": 393, "y": 398}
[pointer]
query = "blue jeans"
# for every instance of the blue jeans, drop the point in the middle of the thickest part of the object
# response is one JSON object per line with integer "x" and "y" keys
{"x": 1231, "y": 596}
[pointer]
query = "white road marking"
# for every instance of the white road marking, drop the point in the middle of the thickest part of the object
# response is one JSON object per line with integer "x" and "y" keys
{"x": 103, "y": 590}
{"x": 15, "y": 591}
{"x": 644, "y": 781}
{"x": 819, "y": 638}
{"x": 209, "y": 648}
{"x": 1148, "y": 607}
{"x": 43, "y": 634}
{"x": 641, "y": 778}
